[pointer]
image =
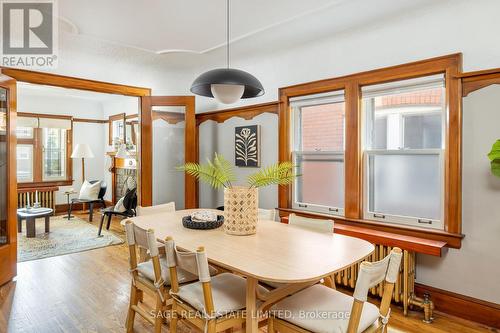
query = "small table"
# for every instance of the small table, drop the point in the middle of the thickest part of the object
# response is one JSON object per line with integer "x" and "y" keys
{"x": 68, "y": 193}
{"x": 30, "y": 215}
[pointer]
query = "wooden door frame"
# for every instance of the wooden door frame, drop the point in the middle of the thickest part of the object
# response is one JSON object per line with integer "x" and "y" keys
{"x": 190, "y": 146}
{"x": 8, "y": 252}
{"x": 22, "y": 75}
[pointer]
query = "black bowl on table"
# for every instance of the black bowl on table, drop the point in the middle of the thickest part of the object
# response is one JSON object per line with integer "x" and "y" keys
{"x": 187, "y": 222}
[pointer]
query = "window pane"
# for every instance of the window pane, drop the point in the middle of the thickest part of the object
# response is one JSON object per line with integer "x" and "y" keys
{"x": 54, "y": 154}
{"x": 24, "y": 163}
{"x": 405, "y": 185}
{"x": 321, "y": 181}
{"x": 24, "y": 132}
{"x": 405, "y": 120}
{"x": 322, "y": 127}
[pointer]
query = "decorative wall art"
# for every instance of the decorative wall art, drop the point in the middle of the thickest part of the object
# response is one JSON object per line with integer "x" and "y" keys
{"x": 247, "y": 146}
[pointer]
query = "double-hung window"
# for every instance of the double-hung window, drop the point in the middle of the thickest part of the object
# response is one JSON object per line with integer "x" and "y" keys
{"x": 403, "y": 148}
{"x": 318, "y": 152}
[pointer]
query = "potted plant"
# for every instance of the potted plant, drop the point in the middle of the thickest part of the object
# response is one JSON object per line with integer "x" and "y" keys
{"x": 241, "y": 203}
{"x": 494, "y": 156}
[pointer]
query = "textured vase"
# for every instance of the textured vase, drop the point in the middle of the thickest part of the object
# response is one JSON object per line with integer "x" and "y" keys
{"x": 241, "y": 210}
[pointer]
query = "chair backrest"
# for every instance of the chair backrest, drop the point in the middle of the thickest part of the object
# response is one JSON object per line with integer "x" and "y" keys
{"x": 145, "y": 239}
{"x": 312, "y": 224}
{"x": 130, "y": 200}
{"x": 267, "y": 214}
{"x": 371, "y": 274}
{"x": 164, "y": 208}
{"x": 102, "y": 191}
{"x": 193, "y": 262}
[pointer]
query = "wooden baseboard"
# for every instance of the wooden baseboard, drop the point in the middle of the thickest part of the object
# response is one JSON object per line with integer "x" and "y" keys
{"x": 462, "y": 306}
{"x": 63, "y": 208}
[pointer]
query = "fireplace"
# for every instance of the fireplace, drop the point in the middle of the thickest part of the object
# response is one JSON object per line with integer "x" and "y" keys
{"x": 123, "y": 174}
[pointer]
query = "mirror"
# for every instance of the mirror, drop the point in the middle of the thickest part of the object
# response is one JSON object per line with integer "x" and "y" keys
{"x": 117, "y": 130}
{"x": 132, "y": 132}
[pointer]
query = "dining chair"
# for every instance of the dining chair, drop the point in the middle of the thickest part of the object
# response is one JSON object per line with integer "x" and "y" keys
{"x": 151, "y": 277}
{"x": 267, "y": 214}
{"x": 163, "y": 208}
{"x": 332, "y": 311}
{"x": 212, "y": 304}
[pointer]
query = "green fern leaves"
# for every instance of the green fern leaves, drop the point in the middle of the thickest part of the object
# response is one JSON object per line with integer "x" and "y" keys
{"x": 220, "y": 173}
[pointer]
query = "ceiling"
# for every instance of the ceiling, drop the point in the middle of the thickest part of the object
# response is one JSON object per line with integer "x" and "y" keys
{"x": 198, "y": 26}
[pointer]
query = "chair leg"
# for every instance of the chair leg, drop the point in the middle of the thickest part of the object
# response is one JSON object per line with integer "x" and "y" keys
{"x": 110, "y": 216}
{"x": 173, "y": 318}
{"x": 211, "y": 327}
{"x": 270, "y": 325}
{"x": 131, "y": 312}
{"x": 100, "y": 225}
{"x": 70, "y": 209}
{"x": 158, "y": 314}
{"x": 103, "y": 203}
{"x": 91, "y": 211}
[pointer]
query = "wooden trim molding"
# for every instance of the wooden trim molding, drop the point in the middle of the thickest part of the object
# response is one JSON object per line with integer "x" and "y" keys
{"x": 88, "y": 120}
{"x": 450, "y": 66}
{"x": 462, "y": 306}
{"x": 246, "y": 112}
{"x": 74, "y": 83}
{"x": 170, "y": 117}
{"x": 473, "y": 81}
{"x": 111, "y": 119}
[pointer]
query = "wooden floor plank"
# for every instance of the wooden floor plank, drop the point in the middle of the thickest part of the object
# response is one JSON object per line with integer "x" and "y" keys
{"x": 89, "y": 292}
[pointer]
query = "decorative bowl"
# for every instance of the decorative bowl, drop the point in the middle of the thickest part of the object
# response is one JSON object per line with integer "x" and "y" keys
{"x": 187, "y": 222}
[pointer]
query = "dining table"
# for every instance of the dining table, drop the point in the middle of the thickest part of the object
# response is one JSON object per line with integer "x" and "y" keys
{"x": 295, "y": 257}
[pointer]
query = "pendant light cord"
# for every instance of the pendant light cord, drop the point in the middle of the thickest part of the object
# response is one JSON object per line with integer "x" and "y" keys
{"x": 227, "y": 32}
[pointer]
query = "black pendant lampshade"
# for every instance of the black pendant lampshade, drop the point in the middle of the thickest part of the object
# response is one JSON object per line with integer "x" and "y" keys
{"x": 203, "y": 84}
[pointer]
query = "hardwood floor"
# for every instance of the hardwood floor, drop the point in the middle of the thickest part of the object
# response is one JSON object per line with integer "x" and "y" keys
{"x": 89, "y": 292}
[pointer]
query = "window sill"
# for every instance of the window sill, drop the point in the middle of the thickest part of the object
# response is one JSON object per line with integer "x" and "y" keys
{"x": 428, "y": 241}
{"x": 45, "y": 184}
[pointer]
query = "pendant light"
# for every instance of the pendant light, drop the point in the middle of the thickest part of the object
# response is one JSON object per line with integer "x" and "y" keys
{"x": 227, "y": 85}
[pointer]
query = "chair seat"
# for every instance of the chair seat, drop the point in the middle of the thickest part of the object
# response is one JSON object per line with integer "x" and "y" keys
{"x": 111, "y": 210}
{"x": 323, "y": 310}
{"x": 228, "y": 292}
{"x": 146, "y": 269}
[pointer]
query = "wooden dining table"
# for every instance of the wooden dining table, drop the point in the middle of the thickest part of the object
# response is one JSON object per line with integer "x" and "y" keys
{"x": 293, "y": 256}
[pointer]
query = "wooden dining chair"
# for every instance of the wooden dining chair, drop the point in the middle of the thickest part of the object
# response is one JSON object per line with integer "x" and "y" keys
{"x": 322, "y": 309}
{"x": 267, "y": 214}
{"x": 163, "y": 208}
{"x": 151, "y": 277}
{"x": 212, "y": 304}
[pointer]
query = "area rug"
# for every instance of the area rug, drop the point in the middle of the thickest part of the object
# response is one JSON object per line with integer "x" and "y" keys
{"x": 64, "y": 237}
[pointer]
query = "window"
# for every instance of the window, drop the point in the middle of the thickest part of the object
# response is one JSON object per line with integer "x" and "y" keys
{"x": 404, "y": 151}
{"x": 318, "y": 152}
{"x": 42, "y": 149}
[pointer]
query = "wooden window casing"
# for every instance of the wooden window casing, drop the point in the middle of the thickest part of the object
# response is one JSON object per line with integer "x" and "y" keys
{"x": 450, "y": 66}
{"x": 36, "y": 141}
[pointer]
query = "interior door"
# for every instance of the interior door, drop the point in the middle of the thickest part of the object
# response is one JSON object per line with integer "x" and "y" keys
{"x": 8, "y": 181}
{"x": 168, "y": 139}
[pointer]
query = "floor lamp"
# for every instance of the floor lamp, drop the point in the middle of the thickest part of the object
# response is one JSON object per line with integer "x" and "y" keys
{"x": 83, "y": 151}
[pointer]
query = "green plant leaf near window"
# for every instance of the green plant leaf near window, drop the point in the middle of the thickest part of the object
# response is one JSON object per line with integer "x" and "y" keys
{"x": 220, "y": 173}
{"x": 494, "y": 156}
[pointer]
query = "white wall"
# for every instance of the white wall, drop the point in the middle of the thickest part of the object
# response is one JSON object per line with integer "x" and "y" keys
{"x": 219, "y": 138}
{"x": 473, "y": 270}
{"x": 90, "y": 133}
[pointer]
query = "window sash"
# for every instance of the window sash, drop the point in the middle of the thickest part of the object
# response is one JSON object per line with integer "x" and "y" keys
{"x": 402, "y": 219}
{"x": 312, "y": 207}
{"x": 21, "y": 179}
{"x": 60, "y": 148}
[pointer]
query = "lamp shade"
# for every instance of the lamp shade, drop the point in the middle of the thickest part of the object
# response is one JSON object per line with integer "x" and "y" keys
{"x": 82, "y": 150}
{"x": 221, "y": 77}
{"x": 122, "y": 152}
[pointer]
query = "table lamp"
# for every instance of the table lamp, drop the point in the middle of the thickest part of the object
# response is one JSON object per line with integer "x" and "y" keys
{"x": 83, "y": 151}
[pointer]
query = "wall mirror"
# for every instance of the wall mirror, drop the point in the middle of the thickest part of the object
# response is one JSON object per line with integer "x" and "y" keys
{"x": 117, "y": 130}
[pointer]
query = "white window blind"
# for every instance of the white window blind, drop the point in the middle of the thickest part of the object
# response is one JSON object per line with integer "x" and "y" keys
{"x": 55, "y": 123}
{"x": 29, "y": 122}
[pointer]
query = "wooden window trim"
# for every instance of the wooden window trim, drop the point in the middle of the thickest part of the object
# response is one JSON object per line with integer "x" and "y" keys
{"x": 450, "y": 66}
{"x": 119, "y": 116}
{"x": 246, "y": 112}
{"x": 38, "y": 154}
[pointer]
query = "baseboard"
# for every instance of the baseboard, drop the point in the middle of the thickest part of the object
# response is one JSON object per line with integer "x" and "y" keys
{"x": 63, "y": 208}
{"x": 470, "y": 308}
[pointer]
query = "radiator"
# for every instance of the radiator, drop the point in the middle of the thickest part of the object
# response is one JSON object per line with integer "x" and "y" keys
{"x": 404, "y": 289}
{"x": 46, "y": 196}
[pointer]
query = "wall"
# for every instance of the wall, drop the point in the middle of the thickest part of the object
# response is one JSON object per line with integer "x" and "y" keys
{"x": 450, "y": 26}
{"x": 219, "y": 138}
{"x": 472, "y": 270}
{"x": 90, "y": 133}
